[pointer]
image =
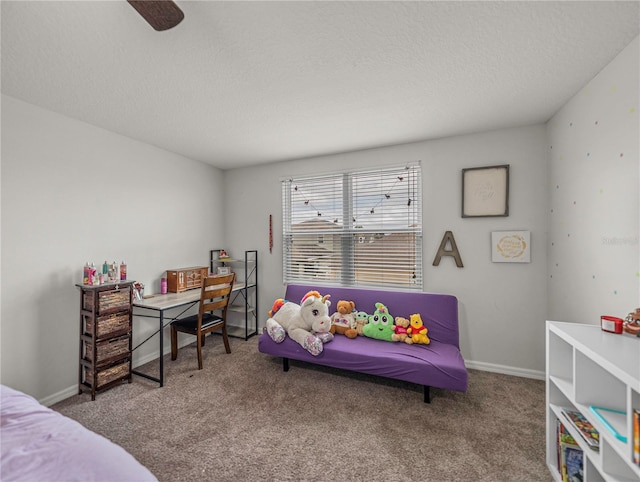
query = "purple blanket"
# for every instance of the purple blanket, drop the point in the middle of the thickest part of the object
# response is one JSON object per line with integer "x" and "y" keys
{"x": 438, "y": 364}
{"x": 39, "y": 444}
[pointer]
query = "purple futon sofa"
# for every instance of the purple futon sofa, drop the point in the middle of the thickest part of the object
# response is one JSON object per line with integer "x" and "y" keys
{"x": 438, "y": 364}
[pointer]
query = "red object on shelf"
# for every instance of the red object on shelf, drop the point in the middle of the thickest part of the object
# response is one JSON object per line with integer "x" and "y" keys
{"x": 612, "y": 324}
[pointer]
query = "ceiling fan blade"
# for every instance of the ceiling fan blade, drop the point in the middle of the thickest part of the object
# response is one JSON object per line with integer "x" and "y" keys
{"x": 160, "y": 14}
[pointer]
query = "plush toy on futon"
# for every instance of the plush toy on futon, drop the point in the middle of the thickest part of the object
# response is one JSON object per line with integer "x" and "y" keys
{"x": 418, "y": 331}
{"x": 362, "y": 318}
{"x": 308, "y": 323}
{"x": 380, "y": 324}
{"x": 343, "y": 321}
{"x": 400, "y": 330}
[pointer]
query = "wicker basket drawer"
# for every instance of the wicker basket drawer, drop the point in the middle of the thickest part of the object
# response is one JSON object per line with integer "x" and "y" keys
{"x": 109, "y": 300}
{"x": 114, "y": 300}
{"x": 106, "y": 350}
{"x": 117, "y": 322}
{"x": 107, "y": 375}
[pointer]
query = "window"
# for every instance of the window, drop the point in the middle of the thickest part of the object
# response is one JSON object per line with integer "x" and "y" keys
{"x": 361, "y": 228}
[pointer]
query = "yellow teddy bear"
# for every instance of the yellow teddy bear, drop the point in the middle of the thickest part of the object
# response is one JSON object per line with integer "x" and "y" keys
{"x": 417, "y": 330}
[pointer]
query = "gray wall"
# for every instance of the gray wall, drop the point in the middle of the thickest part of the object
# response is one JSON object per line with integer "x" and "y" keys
{"x": 502, "y": 306}
{"x": 73, "y": 193}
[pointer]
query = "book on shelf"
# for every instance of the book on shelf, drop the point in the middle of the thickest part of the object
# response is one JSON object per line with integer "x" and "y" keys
{"x": 584, "y": 428}
{"x": 563, "y": 440}
{"x": 572, "y": 465}
{"x": 636, "y": 437}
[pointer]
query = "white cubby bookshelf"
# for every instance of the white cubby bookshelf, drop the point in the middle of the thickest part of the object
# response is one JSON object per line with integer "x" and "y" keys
{"x": 589, "y": 367}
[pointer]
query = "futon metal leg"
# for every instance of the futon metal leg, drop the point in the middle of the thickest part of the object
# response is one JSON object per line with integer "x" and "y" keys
{"x": 427, "y": 398}
{"x": 285, "y": 364}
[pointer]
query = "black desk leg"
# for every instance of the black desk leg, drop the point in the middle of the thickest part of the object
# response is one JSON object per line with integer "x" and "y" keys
{"x": 161, "y": 377}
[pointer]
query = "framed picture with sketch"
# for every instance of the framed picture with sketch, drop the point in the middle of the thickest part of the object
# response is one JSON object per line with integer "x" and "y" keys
{"x": 485, "y": 191}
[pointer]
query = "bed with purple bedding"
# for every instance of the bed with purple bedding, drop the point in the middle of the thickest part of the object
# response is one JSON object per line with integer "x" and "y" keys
{"x": 438, "y": 364}
{"x": 39, "y": 444}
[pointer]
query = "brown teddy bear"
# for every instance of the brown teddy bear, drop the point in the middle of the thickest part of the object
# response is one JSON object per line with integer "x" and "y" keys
{"x": 400, "y": 328}
{"x": 343, "y": 321}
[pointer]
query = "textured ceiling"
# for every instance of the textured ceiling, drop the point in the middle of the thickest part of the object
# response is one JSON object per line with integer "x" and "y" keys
{"x": 241, "y": 83}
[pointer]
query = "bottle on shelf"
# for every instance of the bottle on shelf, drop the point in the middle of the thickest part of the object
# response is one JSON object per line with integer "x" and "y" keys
{"x": 123, "y": 271}
{"x": 105, "y": 268}
{"x": 85, "y": 274}
{"x": 92, "y": 274}
{"x": 113, "y": 272}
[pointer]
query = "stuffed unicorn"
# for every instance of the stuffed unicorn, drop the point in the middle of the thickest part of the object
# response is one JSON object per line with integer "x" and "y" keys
{"x": 308, "y": 323}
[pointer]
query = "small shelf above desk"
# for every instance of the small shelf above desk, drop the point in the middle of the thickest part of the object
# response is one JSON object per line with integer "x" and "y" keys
{"x": 245, "y": 290}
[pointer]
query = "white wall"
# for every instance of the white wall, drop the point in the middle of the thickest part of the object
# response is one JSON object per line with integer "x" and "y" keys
{"x": 593, "y": 141}
{"x": 502, "y": 306}
{"x": 73, "y": 193}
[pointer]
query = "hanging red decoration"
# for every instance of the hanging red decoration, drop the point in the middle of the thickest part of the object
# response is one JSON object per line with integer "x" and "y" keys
{"x": 270, "y": 233}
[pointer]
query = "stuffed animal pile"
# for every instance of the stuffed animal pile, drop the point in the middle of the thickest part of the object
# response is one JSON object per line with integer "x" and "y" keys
{"x": 382, "y": 326}
{"x": 308, "y": 323}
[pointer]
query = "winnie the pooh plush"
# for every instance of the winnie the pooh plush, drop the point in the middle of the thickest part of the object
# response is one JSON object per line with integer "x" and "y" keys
{"x": 380, "y": 324}
{"x": 417, "y": 330}
{"x": 343, "y": 321}
{"x": 400, "y": 330}
{"x": 308, "y": 323}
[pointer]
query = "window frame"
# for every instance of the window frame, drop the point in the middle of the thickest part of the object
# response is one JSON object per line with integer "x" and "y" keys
{"x": 354, "y": 273}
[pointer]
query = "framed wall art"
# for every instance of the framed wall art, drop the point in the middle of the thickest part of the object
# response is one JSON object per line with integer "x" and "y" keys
{"x": 511, "y": 246}
{"x": 485, "y": 191}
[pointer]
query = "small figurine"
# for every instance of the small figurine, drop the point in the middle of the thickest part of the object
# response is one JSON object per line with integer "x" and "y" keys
{"x": 632, "y": 323}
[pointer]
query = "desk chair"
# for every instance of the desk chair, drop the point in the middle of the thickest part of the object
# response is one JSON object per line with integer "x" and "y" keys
{"x": 215, "y": 295}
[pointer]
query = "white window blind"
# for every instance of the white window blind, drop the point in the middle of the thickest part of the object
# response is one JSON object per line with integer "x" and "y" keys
{"x": 361, "y": 228}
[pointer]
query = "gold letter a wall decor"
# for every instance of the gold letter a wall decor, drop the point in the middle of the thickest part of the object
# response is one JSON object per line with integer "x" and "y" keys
{"x": 442, "y": 251}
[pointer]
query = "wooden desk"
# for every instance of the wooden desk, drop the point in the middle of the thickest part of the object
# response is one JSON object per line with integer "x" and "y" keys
{"x": 159, "y": 304}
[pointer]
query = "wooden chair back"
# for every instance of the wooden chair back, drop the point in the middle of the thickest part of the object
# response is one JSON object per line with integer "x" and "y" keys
{"x": 216, "y": 294}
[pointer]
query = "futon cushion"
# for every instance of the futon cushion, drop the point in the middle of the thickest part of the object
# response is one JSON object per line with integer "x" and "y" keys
{"x": 436, "y": 364}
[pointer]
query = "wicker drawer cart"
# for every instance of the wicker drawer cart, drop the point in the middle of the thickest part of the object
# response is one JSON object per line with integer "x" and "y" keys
{"x": 105, "y": 336}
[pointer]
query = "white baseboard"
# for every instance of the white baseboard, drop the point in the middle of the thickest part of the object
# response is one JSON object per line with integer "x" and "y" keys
{"x": 73, "y": 390}
{"x": 474, "y": 365}
{"x": 59, "y": 396}
{"x": 505, "y": 370}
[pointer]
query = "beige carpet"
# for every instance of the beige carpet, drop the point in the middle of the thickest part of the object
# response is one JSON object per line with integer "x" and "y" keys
{"x": 243, "y": 418}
